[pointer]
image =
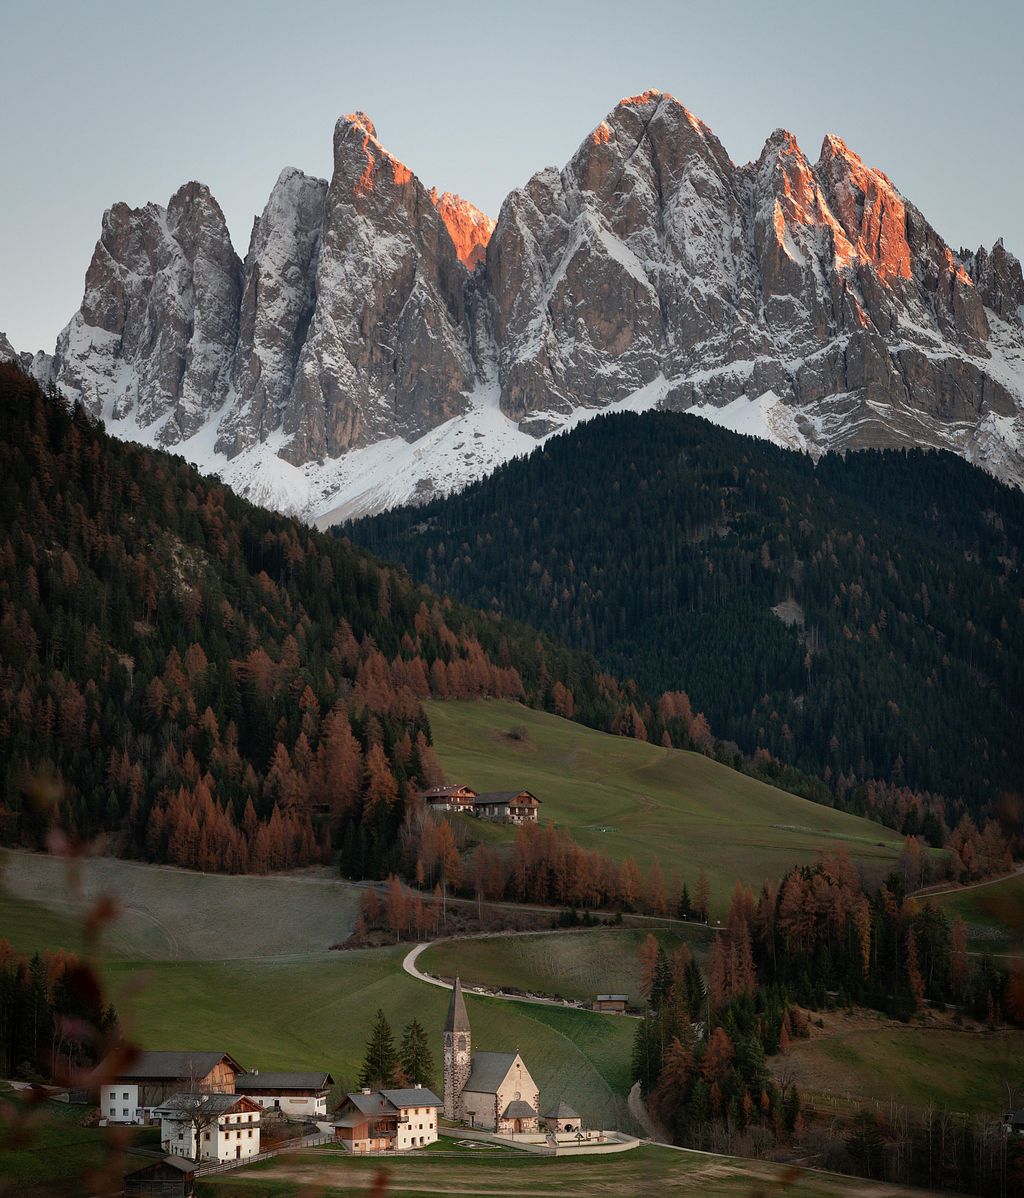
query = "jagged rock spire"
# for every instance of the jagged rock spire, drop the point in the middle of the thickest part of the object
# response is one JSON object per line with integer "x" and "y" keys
{"x": 458, "y": 1020}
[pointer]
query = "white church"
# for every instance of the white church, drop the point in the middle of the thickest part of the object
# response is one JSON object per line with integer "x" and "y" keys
{"x": 489, "y": 1090}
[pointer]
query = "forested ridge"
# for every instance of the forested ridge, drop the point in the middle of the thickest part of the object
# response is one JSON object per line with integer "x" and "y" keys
{"x": 207, "y": 683}
{"x": 860, "y": 619}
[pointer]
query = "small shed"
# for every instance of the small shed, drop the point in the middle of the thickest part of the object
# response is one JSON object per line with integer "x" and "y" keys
{"x": 563, "y": 1120}
{"x": 171, "y": 1177}
{"x": 615, "y": 1003}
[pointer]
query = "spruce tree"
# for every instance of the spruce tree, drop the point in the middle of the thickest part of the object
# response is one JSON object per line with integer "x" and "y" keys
{"x": 415, "y": 1056}
{"x": 380, "y": 1065}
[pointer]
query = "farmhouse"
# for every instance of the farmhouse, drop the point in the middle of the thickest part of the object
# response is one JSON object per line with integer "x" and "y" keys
{"x": 226, "y": 1127}
{"x": 450, "y": 798}
{"x": 387, "y": 1120}
{"x": 298, "y": 1094}
{"x": 509, "y": 806}
{"x": 135, "y": 1089}
{"x": 490, "y": 1090}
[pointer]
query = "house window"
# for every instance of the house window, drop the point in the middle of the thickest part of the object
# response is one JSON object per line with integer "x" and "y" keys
{"x": 124, "y": 1111}
{"x": 206, "y": 1135}
{"x": 113, "y": 1094}
{"x": 125, "y": 1095}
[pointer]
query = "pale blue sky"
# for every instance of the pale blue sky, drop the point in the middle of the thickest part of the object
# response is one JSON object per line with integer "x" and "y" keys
{"x": 106, "y": 100}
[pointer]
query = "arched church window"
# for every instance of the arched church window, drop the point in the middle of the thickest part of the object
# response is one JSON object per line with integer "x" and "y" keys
{"x": 462, "y": 1044}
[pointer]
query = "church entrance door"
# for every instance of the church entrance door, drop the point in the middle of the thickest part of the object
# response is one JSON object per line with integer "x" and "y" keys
{"x": 517, "y": 1125}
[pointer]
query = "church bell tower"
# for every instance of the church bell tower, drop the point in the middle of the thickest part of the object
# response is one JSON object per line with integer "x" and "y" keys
{"x": 458, "y": 1053}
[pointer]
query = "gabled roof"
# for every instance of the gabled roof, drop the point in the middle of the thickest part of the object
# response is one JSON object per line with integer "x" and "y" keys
{"x": 519, "y": 1110}
{"x": 411, "y": 1096}
{"x": 210, "y": 1104}
{"x": 613, "y": 998}
{"x": 458, "y": 1020}
{"x": 168, "y": 1162}
{"x": 562, "y": 1111}
{"x": 489, "y": 1071}
{"x": 276, "y": 1083}
{"x": 369, "y": 1104}
{"x": 172, "y": 1066}
{"x": 493, "y": 798}
{"x": 445, "y": 792}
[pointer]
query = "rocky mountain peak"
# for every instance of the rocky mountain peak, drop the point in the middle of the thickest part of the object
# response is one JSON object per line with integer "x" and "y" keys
{"x": 469, "y": 228}
{"x": 382, "y": 341}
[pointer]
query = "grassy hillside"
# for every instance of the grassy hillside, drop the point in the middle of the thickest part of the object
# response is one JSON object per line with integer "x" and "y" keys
{"x": 994, "y": 914}
{"x": 917, "y": 1066}
{"x": 168, "y": 913}
{"x": 574, "y": 965}
{"x": 313, "y": 1009}
{"x": 629, "y": 798}
{"x": 647, "y": 1170}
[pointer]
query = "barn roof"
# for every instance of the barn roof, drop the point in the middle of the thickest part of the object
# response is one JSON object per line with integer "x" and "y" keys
{"x": 170, "y": 1066}
{"x": 493, "y": 798}
{"x": 274, "y": 1083}
{"x": 412, "y": 1096}
{"x": 613, "y": 998}
{"x": 489, "y": 1071}
{"x": 178, "y": 1163}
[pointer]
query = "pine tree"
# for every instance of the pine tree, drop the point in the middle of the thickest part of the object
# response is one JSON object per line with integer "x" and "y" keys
{"x": 415, "y": 1057}
{"x": 380, "y": 1064}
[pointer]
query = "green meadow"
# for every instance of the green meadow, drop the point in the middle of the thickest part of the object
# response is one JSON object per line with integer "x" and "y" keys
{"x": 629, "y": 798}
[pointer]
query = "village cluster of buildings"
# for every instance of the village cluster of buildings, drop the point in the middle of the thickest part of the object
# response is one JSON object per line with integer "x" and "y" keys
{"x": 503, "y": 806}
{"x": 209, "y": 1108}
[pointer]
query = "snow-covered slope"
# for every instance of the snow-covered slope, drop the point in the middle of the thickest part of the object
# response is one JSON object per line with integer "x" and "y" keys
{"x": 382, "y": 343}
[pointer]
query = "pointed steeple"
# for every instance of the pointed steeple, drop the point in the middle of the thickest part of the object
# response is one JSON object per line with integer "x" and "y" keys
{"x": 458, "y": 1020}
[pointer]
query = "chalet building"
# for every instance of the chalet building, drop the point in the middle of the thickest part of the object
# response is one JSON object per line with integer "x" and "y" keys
{"x": 173, "y": 1177}
{"x": 459, "y": 799}
{"x": 1013, "y": 1121}
{"x": 387, "y": 1120}
{"x": 132, "y": 1094}
{"x": 508, "y": 806}
{"x": 227, "y": 1126}
{"x": 301, "y": 1095}
{"x": 489, "y": 1090}
{"x": 616, "y": 1003}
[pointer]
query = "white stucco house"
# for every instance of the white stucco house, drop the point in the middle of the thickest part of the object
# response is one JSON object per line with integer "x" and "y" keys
{"x": 227, "y": 1126}
{"x": 300, "y": 1095}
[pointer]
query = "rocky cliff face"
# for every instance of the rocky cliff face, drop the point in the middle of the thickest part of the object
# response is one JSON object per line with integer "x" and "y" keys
{"x": 381, "y": 341}
{"x": 815, "y": 290}
{"x": 469, "y": 228}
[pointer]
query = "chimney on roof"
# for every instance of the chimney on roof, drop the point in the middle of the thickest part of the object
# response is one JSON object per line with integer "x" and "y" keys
{"x": 419, "y": 1086}
{"x": 367, "y": 1091}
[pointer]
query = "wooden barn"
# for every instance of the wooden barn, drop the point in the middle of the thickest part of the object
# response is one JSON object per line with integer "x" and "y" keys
{"x": 172, "y": 1177}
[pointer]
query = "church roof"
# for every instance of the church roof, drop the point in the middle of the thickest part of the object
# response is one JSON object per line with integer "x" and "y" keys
{"x": 458, "y": 1020}
{"x": 489, "y": 1071}
{"x": 519, "y": 1110}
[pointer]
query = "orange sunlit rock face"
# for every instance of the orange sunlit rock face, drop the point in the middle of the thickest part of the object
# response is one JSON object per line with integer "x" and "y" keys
{"x": 469, "y": 228}
{"x": 601, "y": 134}
{"x": 870, "y": 210}
{"x": 375, "y": 154}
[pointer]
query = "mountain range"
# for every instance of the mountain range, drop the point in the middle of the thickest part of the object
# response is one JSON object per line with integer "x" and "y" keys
{"x": 382, "y": 343}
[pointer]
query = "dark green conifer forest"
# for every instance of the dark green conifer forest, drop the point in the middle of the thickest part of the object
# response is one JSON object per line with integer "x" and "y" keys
{"x": 860, "y": 619}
